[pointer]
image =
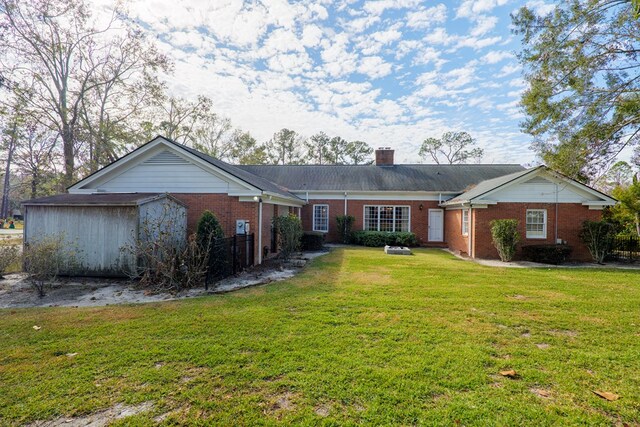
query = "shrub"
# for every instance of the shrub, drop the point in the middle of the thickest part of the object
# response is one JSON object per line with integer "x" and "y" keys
{"x": 379, "y": 239}
{"x": 165, "y": 261}
{"x": 46, "y": 257}
{"x": 505, "y": 237}
{"x": 8, "y": 255}
{"x": 345, "y": 225}
{"x": 208, "y": 229}
{"x": 312, "y": 241}
{"x": 288, "y": 228}
{"x": 546, "y": 254}
{"x": 208, "y": 232}
{"x": 599, "y": 236}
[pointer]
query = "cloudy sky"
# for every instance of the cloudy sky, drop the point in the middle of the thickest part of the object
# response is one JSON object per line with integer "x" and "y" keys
{"x": 389, "y": 72}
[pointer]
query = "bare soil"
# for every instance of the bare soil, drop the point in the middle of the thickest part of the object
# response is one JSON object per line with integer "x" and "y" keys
{"x": 16, "y": 292}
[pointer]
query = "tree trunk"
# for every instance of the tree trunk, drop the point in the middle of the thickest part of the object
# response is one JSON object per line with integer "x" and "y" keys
{"x": 638, "y": 223}
{"x": 67, "y": 148}
{"x": 4, "y": 210}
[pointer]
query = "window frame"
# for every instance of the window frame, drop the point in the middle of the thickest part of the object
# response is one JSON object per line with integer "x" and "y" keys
{"x": 313, "y": 220}
{"x": 543, "y": 236}
{"x": 465, "y": 230}
{"x": 394, "y": 207}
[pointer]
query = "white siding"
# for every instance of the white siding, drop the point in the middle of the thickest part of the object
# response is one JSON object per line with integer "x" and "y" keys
{"x": 541, "y": 190}
{"x": 98, "y": 233}
{"x": 168, "y": 172}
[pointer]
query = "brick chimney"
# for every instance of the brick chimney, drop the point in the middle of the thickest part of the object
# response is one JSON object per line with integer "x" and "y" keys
{"x": 384, "y": 156}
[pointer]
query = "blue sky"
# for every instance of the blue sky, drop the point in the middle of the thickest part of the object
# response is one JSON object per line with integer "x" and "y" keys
{"x": 388, "y": 72}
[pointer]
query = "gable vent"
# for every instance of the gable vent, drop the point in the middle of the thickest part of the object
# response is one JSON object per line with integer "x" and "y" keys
{"x": 166, "y": 158}
{"x": 539, "y": 180}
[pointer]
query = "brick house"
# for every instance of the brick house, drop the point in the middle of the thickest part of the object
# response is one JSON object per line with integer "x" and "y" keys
{"x": 444, "y": 205}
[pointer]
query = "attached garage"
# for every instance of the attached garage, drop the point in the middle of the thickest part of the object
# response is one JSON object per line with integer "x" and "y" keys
{"x": 100, "y": 225}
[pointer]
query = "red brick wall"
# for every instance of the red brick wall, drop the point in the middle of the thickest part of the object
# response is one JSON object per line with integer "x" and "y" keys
{"x": 570, "y": 218}
{"x": 226, "y": 208}
{"x": 419, "y": 218}
{"x": 453, "y": 232}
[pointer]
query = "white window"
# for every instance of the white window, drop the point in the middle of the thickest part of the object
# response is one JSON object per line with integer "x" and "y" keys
{"x": 465, "y": 222}
{"x": 387, "y": 218}
{"x": 536, "y": 223}
{"x": 321, "y": 218}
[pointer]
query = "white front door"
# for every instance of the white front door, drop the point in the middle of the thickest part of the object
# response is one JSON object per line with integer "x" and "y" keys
{"x": 436, "y": 225}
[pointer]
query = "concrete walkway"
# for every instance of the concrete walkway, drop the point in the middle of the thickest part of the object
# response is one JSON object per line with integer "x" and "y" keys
{"x": 10, "y": 232}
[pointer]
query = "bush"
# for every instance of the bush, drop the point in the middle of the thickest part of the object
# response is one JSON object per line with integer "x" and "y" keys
{"x": 312, "y": 241}
{"x": 345, "y": 225}
{"x": 599, "y": 236}
{"x": 165, "y": 261}
{"x": 46, "y": 257}
{"x": 378, "y": 239}
{"x": 208, "y": 229}
{"x": 8, "y": 255}
{"x": 289, "y": 232}
{"x": 208, "y": 232}
{"x": 505, "y": 237}
{"x": 546, "y": 254}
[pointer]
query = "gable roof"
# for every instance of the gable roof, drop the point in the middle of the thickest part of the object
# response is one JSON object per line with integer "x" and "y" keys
{"x": 490, "y": 185}
{"x": 434, "y": 178}
{"x": 252, "y": 180}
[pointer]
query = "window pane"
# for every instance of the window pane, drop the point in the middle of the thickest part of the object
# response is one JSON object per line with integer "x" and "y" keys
{"x": 535, "y": 223}
{"x": 386, "y": 218}
{"x": 465, "y": 221}
{"x": 371, "y": 218}
{"x": 321, "y": 218}
{"x": 402, "y": 218}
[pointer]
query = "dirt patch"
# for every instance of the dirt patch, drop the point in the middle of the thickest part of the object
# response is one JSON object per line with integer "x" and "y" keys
{"x": 540, "y": 392}
{"x": 97, "y": 419}
{"x": 564, "y": 332}
{"x": 543, "y": 346}
{"x": 277, "y": 404}
{"x": 322, "y": 410}
{"x": 16, "y": 292}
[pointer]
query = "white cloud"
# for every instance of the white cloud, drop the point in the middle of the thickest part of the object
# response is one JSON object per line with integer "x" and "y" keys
{"x": 496, "y": 56}
{"x": 427, "y": 17}
{"x": 484, "y": 24}
{"x": 509, "y": 69}
{"x": 377, "y": 7}
{"x": 374, "y": 67}
{"x": 472, "y": 8}
{"x": 541, "y": 7}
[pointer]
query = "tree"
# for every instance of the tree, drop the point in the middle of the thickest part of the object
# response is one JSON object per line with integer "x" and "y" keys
{"x": 36, "y": 158}
{"x": 619, "y": 175}
{"x": 358, "y": 153}
{"x": 627, "y": 211}
{"x": 316, "y": 148}
{"x": 285, "y": 148}
{"x": 583, "y": 97}
{"x": 11, "y": 126}
{"x": 66, "y": 59}
{"x": 246, "y": 150}
{"x": 451, "y": 148}
{"x": 180, "y": 118}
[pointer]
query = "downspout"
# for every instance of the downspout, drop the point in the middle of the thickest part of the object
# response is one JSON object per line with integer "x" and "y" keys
{"x": 555, "y": 223}
{"x": 471, "y": 231}
{"x": 259, "y": 200}
{"x": 345, "y": 203}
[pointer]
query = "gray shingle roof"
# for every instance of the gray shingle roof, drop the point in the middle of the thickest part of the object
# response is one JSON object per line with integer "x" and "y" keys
{"x": 247, "y": 176}
{"x": 97, "y": 199}
{"x": 440, "y": 178}
{"x": 488, "y": 185}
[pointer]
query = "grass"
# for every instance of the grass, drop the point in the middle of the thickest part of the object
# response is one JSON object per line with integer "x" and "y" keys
{"x": 358, "y": 338}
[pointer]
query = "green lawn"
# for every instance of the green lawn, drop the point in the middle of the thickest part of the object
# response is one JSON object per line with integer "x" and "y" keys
{"x": 358, "y": 338}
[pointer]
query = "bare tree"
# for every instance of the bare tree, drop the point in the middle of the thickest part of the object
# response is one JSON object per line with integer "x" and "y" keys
{"x": 451, "y": 148}
{"x": 11, "y": 121}
{"x": 58, "y": 51}
{"x": 36, "y": 158}
{"x": 180, "y": 118}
